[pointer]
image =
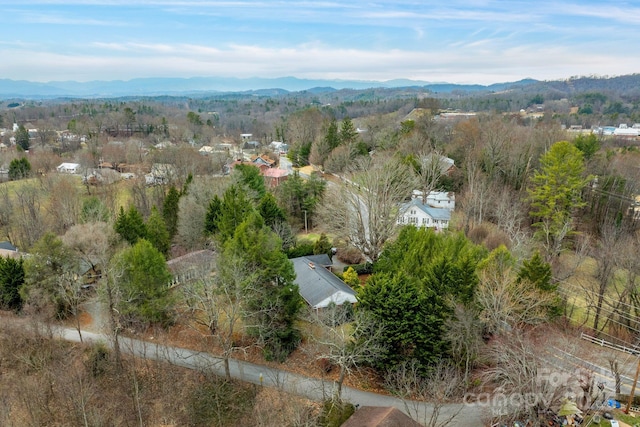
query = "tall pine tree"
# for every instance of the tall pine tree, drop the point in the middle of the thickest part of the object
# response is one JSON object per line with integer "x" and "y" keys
{"x": 170, "y": 211}
{"x": 157, "y": 233}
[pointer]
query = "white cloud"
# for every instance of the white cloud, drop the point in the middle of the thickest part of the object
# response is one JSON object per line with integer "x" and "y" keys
{"x": 313, "y": 61}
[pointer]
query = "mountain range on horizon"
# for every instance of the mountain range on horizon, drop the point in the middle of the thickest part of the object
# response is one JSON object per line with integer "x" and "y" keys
{"x": 215, "y": 85}
{"x": 209, "y": 86}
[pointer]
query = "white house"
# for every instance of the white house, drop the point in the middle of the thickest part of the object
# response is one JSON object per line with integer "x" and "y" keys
{"x": 206, "y": 149}
{"x": 68, "y": 168}
{"x": 279, "y": 147}
{"x": 420, "y": 215}
{"x": 438, "y": 199}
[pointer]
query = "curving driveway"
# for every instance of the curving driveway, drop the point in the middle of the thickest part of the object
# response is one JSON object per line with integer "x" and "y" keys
{"x": 312, "y": 388}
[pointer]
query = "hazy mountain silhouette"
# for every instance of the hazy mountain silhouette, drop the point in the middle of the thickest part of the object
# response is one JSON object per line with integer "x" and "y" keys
{"x": 277, "y": 86}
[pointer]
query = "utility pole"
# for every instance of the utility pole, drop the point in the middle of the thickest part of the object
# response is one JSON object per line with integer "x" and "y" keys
{"x": 633, "y": 388}
{"x": 306, "y": 230}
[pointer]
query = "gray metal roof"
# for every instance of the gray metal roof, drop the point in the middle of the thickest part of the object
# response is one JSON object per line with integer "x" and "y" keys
{"x": 7, "y": 246}
{"x": 316, "y": 283}
{"x": 435, "y": 213}
{"x": 320, "y": 259}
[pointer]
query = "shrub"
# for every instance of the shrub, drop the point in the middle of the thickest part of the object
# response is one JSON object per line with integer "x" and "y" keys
{"x": 335, "y": 413}
{"x": 217, "y": 402}
{"x": 349, "y": 255}
{"x": 99, "y": 359}
{"x": 302, "y": 249}
{"x": 366, "y": 268}
{"x": 478, "y": 234}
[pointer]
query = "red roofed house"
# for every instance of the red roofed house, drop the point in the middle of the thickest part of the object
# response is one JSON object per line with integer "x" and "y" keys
{"x": 274, "y": 176}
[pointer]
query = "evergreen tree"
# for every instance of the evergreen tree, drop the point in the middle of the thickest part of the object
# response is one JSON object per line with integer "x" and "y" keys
{"x": 348, "y": 132}
{"x": 130, "y": 225}
{"x": 144, "y": 283}
{"x": 212, "y": 218}
{"x": 587, "y": 144}
{"x": 436, "y": 269}
{"x": 19, "y": 169}
{"x": 538, "y": 272}
{"x": 412, "y": 319}
{"x": 170, "y": 211}
{"x": 249, "y": 176}
{"x": 22, "y": 138}
{"x": 300, "y": 197}
{"x": 273, "y": 300}
{"x": 556, "y": 193}
{"x": 269, "y": 210}
{"x": 332, "y": 137}
{"x": 235, "y": 208}
{"x": 11, "y": 280}
{"x": 49, "y": 260}
{"x": 157, "y": 233}
{"x": 323, "y": 246}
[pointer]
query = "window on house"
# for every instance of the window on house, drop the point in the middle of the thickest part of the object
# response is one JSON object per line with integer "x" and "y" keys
{"x": 413, "y": 220}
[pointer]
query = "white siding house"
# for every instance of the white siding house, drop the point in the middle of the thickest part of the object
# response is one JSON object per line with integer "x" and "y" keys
{"x": 68, "y": 168}
{"x": 438, "y": 199}
{"x": 420, "y": 215}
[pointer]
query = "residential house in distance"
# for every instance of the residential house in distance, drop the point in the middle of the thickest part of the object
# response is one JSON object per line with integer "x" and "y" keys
{"x": 319, "y": 287}
{"x": 421, "y": 215}
{"x": 438, "y": 199}
{"x": 191, "y": 266}
{"x": 263, "y": 160}
{"x": 206, "y": 150}
{"x": 7, "y": 250}
{"x": 279, "y": 147}
{"x": 274, "y": 176}
{"x": 72, "y": 168}
{"x": 447, "y": 165}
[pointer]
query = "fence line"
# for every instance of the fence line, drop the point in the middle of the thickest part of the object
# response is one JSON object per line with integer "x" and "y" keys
{"x": 634, "y": 350}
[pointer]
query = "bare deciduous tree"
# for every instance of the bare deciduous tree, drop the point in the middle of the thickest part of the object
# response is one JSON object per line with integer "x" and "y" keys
{"x": 193, "y": 209}
{"x": 526, "y": 387}
{"x": 64, "y": 201}
{"x": 464, "y": 333}
{"x": 345, "y": 342}
{"x": 28, "y": 224}
{"x": 475, "y": 197}
{"x": 216, "y": 302}
{"x": 507, "y": 302}
{"x": 364, "y": 209}
{"x": 433, "y": 391}
{"x": 431, "y": 167}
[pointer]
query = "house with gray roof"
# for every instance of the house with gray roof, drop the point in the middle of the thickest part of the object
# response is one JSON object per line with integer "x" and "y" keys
{"x": 420, "y": 215}
{"x": 318, "y": 286}
{"x": 7, "y": 250}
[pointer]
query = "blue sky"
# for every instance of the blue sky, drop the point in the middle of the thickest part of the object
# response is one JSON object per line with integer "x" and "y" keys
{"x": 460, "y": 41}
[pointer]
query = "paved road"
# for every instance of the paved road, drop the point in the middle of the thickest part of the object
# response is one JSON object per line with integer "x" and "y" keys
{"x": 312, "y": 388}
